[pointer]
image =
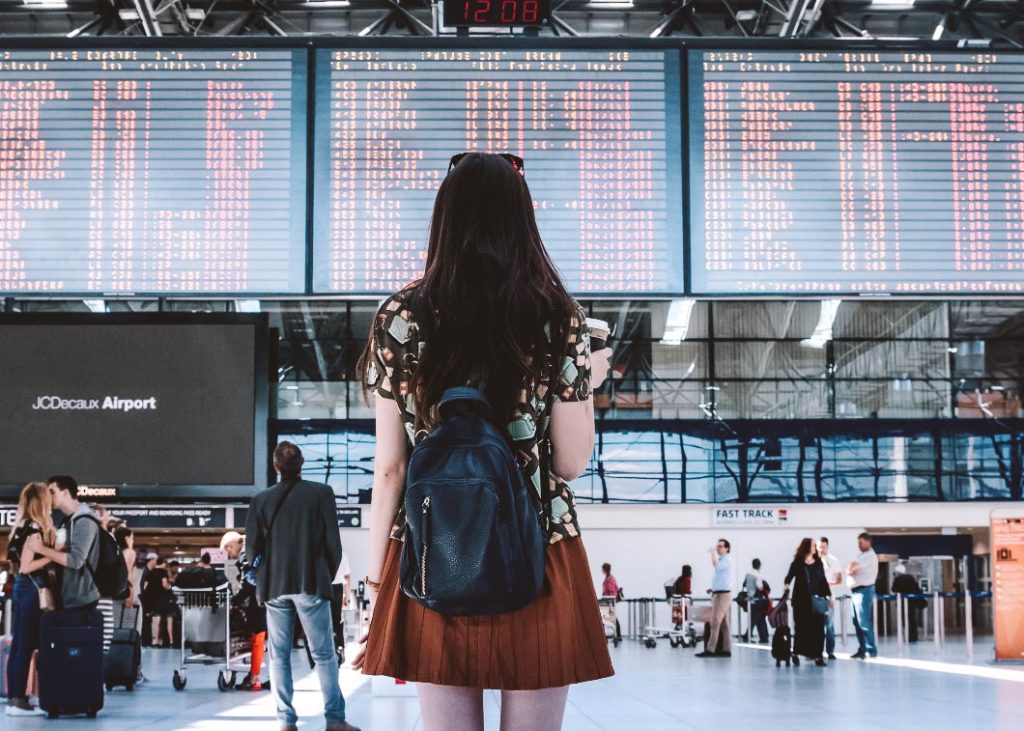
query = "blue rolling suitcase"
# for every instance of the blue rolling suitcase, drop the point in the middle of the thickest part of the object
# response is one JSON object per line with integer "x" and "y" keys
{"x": 71, "y": 662}
{"x": 124, "y": 656}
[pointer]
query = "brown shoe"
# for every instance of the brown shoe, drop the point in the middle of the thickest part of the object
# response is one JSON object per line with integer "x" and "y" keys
{"x": 343, "y": 726}
{"x": 289, "y": 727}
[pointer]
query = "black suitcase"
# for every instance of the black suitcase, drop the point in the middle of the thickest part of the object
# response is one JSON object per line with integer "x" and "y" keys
{"x": 71, "y": 662}
{"x": 782, "y": 646}
{"x": 124, "y": 657}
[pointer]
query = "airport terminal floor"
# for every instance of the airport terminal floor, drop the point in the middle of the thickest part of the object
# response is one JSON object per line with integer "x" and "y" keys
{"x": 661, "y": 689}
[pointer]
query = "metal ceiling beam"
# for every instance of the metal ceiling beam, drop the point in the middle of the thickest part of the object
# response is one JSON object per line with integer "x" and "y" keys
{"x": 1000, "y": 22}
{"x": 144, "y": 10}
{"x": 560, "y": 26}
{"x": 673, "y": 20}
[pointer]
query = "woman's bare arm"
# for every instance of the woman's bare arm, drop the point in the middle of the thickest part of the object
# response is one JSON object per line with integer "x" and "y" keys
{"x": 390, "y": 457}
{"x": 572, "y": 425}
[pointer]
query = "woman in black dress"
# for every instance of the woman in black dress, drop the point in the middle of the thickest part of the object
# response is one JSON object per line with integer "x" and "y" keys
{"x": 806, "y": 579}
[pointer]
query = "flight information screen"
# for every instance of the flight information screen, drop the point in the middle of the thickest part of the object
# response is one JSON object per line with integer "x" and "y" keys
{"x": 856, "y": 172}
{"x": 152, "y": 170}
{"x": 599, "y": 132}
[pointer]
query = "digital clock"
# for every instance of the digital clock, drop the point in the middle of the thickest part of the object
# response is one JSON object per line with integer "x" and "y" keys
{"x": 495, "y": 12}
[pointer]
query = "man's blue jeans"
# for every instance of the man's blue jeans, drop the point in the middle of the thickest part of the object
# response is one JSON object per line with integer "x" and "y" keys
{"x": 830, "y": 630}
{"x": 315, "y": 615}
{"x": 863, "y": 601}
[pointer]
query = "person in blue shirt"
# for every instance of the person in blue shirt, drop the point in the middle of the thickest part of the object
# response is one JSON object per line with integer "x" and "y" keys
{"x": 721, "y": 600}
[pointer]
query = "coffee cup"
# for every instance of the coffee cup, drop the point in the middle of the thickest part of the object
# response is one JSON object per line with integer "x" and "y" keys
{"x": 599, "y": 332}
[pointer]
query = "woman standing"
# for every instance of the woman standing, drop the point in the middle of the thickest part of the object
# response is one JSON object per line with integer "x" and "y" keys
{"x": 491, "y": 311}
{"x": 126, "y": 540}
{"x": 684, "y": 584}
{"x": 809, "y": 586}
{"x": 33, "y": 517}
{"x": 609, "y": 587}
{"x": 158, "y": 598}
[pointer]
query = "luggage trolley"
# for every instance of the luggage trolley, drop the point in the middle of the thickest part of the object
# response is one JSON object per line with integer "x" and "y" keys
{"x": 699, "y": 612}
{"x": 209, "y": 619}
{"x": 680, "y": 634}
{"x": 610, "y": 619}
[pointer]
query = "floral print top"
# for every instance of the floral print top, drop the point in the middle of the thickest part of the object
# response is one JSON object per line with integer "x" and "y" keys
{"x": 396, "y": 346}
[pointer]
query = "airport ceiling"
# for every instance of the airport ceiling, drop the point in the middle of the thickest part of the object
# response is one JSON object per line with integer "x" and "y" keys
{"x": 981, "y": 23}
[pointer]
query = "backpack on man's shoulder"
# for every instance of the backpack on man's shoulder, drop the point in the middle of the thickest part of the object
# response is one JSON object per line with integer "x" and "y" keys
{"x": 474, "y": 544}
{"x": 111, "y": 572}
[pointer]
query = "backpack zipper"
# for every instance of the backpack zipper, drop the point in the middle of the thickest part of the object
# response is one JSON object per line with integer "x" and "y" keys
{"x": 426, "y": 545}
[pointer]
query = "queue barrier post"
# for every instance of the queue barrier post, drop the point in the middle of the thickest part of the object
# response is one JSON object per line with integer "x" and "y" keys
{"x": 901, "y": 609}
{"x": 936, "y": 614}
{"x": 844, "y": 607}
{"x": 969, "y": 623}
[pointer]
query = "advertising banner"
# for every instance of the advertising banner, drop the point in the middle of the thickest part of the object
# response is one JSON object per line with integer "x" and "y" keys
{"x": 1008, "y": 583}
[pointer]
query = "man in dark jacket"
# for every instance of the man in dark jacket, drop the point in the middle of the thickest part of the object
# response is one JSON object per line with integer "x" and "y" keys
{"x": 293, "y": 527}
{"x": 904, "y": 583}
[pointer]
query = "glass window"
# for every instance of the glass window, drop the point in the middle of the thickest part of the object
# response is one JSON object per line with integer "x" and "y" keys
{"x": 766, "y": 320}
{"x": 892, "y": 359}
{"x": 890, "y": 320}
{"x": 895, "y": 398}
{"x": 772, "y": 399}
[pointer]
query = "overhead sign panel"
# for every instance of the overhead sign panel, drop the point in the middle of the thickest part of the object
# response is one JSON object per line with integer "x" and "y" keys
{"x": 158, "y": 170}
{"x": 599, "y": 131}
{"x": 856, "y": 172}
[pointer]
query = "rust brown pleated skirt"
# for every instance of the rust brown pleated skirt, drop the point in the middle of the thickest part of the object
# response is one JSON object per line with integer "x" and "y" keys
{"x": 557, "y": 640}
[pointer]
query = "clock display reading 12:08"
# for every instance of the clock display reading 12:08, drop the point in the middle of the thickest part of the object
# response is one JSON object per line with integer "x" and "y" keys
{"x": 495, "y": 12}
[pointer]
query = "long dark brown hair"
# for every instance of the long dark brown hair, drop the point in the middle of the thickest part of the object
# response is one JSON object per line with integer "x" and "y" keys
{"x": 806, "y": 547}
{"x": 488, "y": 293}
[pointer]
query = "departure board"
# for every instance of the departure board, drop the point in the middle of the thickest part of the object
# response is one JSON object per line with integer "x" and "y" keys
{"x": 855, "y": 172}
{"x": 599, "y": 132}
{"x": 152, "y": 170}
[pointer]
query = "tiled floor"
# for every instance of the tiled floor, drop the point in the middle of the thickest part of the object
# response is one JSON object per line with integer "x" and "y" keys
{"x": 654, "y": 690}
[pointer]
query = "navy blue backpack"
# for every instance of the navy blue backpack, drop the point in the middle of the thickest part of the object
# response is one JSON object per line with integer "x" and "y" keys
{"x": 473, "y": 542}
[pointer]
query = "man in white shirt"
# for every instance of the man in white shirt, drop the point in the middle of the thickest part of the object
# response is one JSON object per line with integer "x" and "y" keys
{"x": 863, "y": 573}
{"x": 757, "y": 601}
{"x": 836, "y": 578}
{"x": 721, "y": 600}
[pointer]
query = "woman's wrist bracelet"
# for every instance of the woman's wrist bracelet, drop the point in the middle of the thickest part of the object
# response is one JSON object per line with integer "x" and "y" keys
{"x": 375, "y": 585}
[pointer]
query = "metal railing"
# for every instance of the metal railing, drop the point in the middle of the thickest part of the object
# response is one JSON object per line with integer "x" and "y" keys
{"x": 646, "y": 613}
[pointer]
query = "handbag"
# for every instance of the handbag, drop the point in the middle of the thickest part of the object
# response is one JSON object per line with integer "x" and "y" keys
{"x": 819, "y": 604}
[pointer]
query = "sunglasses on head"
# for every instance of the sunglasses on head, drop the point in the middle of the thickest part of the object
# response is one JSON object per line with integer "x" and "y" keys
{"x": 514, "y": 160}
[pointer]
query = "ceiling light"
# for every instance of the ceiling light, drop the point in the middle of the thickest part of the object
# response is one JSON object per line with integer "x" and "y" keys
{"x": 677, "y": 325}
{"x": 823, "y": 330}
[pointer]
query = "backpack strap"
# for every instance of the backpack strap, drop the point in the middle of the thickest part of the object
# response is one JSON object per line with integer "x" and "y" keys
{"x": 273, "y": 517}
{"x": 463, "y": 393}
{"x": 99, "y": 527}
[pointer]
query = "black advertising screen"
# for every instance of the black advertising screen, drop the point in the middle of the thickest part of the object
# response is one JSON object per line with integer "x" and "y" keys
{"x": 159, "y": 406}
{"x": 152, "y": 170}
{"x": 599, "y": 131}
{"x": 856, "y": 172}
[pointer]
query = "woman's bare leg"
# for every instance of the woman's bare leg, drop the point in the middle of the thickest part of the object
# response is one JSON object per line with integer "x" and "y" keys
{"x": 450, "y": 708}
{"x": 537, "y": 710}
